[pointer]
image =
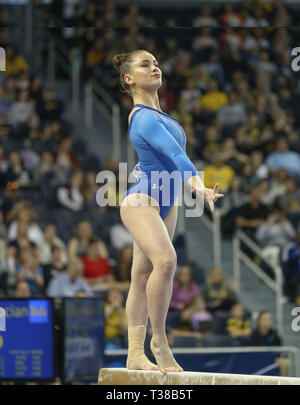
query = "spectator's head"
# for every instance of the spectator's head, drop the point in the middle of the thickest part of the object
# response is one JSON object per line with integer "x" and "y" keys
{"x": 263, "y": 187}
{"x": 34, "y": 121}
{"x": 23, "y": 95}
{"x": 47, "y": 158}
{"x": 47, "y": 94}
{"x": 255, "y": 195}
{"x": 49, "y": 233}
{"x": 56, "y": 252}
{"x": 115, "y": 297}
{"x": 237, "y": 311}
{"x": 215, "y": 276}
{"x": 137, "y": 69}
{"x": 256, "y": 159}
{"x": 26, "y": 215}
{"x": 264, "y": 322}
{"x": 22, "y": 231}
{"x": 233, "y": 97}
{"x": 76, "y": 179}
{"x": 212, "y": 85}
{"x": 217, "y": 159}
{"x": 93, "y": 250}
{"x": 291, "y": 185}
{"x": 66, "y": 145}
{"x": 22, "y": 290}
{"x": 15, "y": 159}
{"x": 282, "y": 145}
{"x": 211, "y": 134}
{"x": 184, "y": 276}
{"x": 75, "y": 269}
{"x": 84, "y": 230}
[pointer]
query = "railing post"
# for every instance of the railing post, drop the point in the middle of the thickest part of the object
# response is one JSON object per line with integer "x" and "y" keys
{"x": 279, "y": 303}
{"x": 217, "y": 238}
{"x": 51, "y": 59}
{"x": 28, "y": 26}
{"x": 116, "y": 130}
{"x": 236, "y": 264}
{"x": 75, "y": 69}
{"x": 88, "y": 105}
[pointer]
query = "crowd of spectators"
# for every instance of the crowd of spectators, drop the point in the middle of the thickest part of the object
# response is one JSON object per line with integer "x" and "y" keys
{"x": 236, "y": 97}
{"x": 235, "y": 94}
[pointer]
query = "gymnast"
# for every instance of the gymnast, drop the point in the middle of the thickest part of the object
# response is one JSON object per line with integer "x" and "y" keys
{"x": 160, "y": 143}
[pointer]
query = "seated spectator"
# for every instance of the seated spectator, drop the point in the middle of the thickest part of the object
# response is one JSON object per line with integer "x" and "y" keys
{"x": 71, "y": 196}
{"x": 194, "y": 313}
{"x": 12, "y": 203}
{"x": 15, "y": 63}
{"x": 49, "y": 107}
{"x": 290, "y": 263}
{"x": 65, "y": 159}
{"x": 26, "y": 216}
{"x": 78, "y": 244}
{"x": 51, "y": 239}
{"x": 234, "y": 113}
{"x": 218, "y": 295}
{"x": 22, "y": 290}
{"x": 69, "y": 282}
{"x": 273, "y": 234}
{"x": 16, "y": 171}
{"x": 184, "y": 288}
{"x": 22, "y": 240}
{"x": 248, "y": 177}
{"x": 8, "y": 272}
{"x": 263, "y": 334}
{"x": 28, "y": 268}
{"x": 116, "y": 323}
{"x": 231, "y": 156}
{"x": 55, "y": 266}
{"x": 45, "y": 174}
{"x": 237, "y": 325}
{"x": 252, "y": 214}
{"x": 21, "y": 110}
{"x": 205, "y": 18}
{"x": 218, "y": 172}
{"x": 212, "y": 142}
{"x": 259, "y": 168}
{"x": 283, "y": 158}
{"x": 213, "y": 99}
{"x": 89, "y": 190}
{"x": 290, "y": 201}
{"x": 96, "y": 268}
{"x": 123, "y": 267}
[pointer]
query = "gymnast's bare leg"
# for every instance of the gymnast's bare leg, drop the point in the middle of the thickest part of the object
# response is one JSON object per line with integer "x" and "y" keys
{"x": 153, "y": 236}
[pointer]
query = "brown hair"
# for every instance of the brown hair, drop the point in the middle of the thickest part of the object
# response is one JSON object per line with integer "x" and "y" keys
{"x": 121, "y": 63}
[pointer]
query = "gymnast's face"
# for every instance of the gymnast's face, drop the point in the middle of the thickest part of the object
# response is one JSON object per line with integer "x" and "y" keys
{"x": 145, "y": 73}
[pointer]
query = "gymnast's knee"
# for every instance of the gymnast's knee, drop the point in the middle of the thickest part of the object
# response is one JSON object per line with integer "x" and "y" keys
{"x": 165, "y": 264}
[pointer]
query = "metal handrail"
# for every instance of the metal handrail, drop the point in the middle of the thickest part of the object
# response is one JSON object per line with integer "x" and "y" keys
{"x": 276, "y": 287}
{"x": 291, "y": 350}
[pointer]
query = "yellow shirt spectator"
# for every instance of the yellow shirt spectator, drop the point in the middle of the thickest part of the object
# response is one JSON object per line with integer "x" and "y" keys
{"x": 213, "y": 101}
{"x": 16, "y": 65}
{"x": 222, "y": 175}
{"x": 113, "y": 324}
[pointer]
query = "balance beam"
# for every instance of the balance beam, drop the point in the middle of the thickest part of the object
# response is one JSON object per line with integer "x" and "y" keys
{"x": 122, "y": 376}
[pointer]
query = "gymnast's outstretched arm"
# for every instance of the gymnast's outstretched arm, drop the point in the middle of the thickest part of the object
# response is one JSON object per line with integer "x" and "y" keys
{"x": 152, "y": 130}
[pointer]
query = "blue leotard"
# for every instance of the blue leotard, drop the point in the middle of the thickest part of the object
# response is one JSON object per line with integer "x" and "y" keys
{"x": 160, "y": 143}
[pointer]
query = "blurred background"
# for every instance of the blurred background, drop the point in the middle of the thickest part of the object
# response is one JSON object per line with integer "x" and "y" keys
{"x": 65, "y": 262}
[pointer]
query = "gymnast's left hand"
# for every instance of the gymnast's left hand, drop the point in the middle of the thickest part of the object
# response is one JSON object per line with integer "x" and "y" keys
{"x": 211, "y": 195}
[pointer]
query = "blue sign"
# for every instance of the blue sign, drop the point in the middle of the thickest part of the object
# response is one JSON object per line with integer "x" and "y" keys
{"x": 26, "y": 349}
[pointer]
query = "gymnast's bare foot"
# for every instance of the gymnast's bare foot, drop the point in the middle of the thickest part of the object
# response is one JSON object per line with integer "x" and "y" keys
{"x": 163, "y": 355}
{"x": 139, "y": 362}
